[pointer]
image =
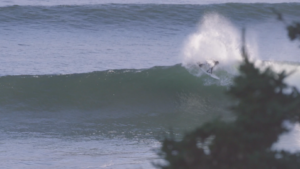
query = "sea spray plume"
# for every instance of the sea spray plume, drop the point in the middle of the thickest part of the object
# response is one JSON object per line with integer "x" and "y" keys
{"x": 261, "y": 110}
{"x": 215, "y": 39}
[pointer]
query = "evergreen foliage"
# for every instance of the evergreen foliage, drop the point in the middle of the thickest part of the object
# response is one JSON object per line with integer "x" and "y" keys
{"x": 264, "y": 103}
{"x": 294, "y": 31}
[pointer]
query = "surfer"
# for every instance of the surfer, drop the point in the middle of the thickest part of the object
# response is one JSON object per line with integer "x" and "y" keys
{"x": 211, "y": 66}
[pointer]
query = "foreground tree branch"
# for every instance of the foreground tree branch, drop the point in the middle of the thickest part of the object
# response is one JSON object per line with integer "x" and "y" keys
{"x": 263, "y": 105}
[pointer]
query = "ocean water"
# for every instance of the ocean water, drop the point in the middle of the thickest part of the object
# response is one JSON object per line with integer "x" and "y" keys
{"x": 95, "y": 84}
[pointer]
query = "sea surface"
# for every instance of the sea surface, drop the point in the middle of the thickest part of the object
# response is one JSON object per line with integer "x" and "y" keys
{"x": 96, "y": 84}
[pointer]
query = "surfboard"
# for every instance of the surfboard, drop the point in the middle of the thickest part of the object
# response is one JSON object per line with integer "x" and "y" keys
{"x": 209, "y": 74}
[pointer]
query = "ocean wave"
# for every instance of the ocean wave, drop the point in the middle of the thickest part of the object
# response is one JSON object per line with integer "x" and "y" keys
{"x": 164, "y": 86}
{"x": 82, "y": 16}
{"x": 114, "y": 100}
{"x": 126, "y": 101}
{"x": 101, "y": 90}
{"x": 94, "y": 2}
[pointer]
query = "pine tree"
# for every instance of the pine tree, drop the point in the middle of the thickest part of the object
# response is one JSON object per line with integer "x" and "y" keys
{"x": 264, "y": 103}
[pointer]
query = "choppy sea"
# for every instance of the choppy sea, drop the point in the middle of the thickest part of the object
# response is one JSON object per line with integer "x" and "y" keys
{"x": 95, "y": 84}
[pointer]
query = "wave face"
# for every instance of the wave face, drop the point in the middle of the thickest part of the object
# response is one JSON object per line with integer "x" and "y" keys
{"x": 140, "y": 99}
{"x": 121, "y": 101}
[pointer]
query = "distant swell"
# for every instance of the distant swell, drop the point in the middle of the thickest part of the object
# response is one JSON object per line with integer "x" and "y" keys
{"x": 95, "y": 2}
{"x": 88, "y": 16}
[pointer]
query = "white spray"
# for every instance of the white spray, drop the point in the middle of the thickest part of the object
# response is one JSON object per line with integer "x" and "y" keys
{"x": 215, "y": 39}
